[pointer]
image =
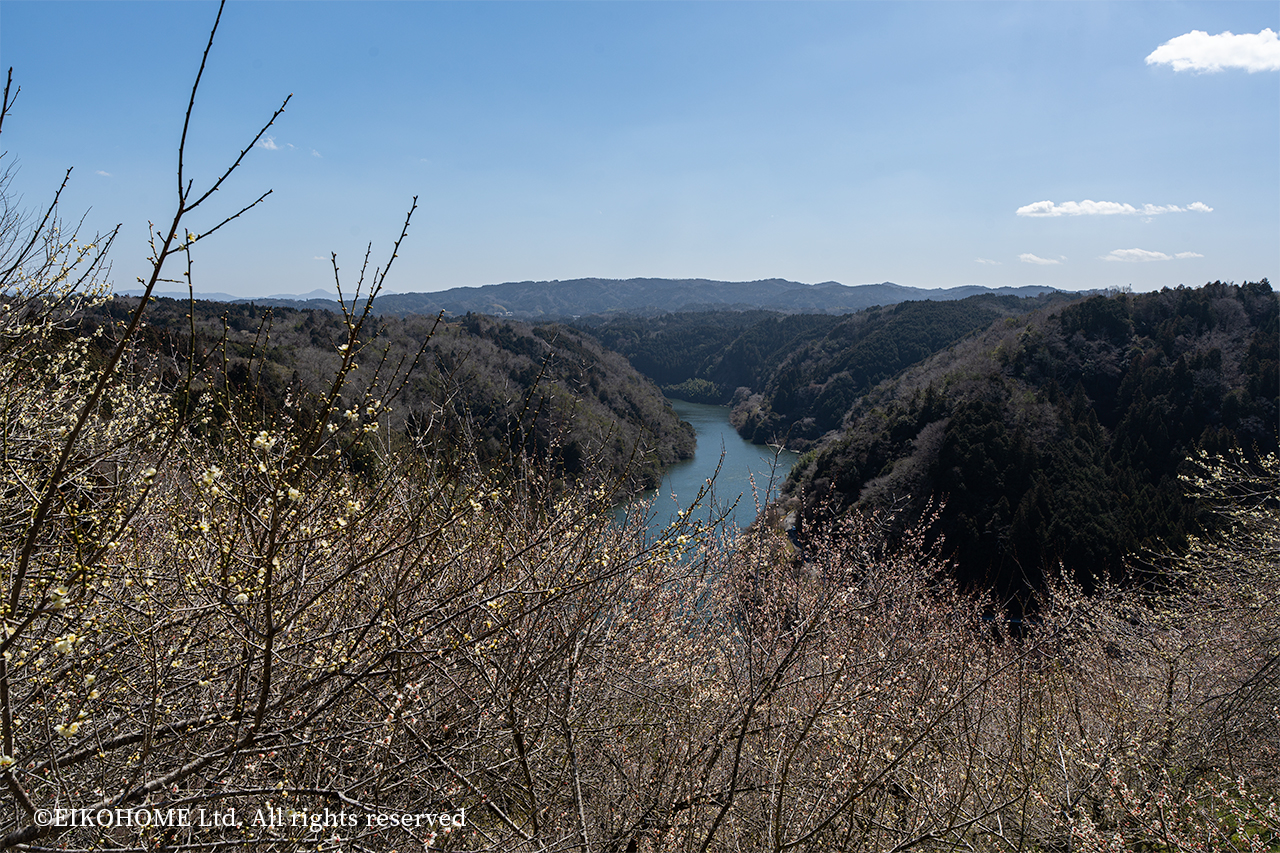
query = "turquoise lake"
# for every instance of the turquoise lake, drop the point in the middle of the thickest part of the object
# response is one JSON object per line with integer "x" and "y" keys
{"x": 739, "y": 461}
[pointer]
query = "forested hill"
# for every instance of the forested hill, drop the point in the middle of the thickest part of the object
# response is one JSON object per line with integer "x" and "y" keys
{"x": 492, "y": 385}
{"x": 795, "y": 375}
{"x": 807, "y": 394}
{"x": 704, "y": 356}
{"x": 561, "y": 299}
{"x": 1059, "y": 436}
{"x": 557, "y": 300}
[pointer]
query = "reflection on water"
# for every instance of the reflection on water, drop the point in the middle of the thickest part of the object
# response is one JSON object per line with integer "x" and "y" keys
{"x": 742, "y": 461}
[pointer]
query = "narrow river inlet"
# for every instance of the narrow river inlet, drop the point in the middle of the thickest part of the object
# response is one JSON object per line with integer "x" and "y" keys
{"x": 742, "y": 463}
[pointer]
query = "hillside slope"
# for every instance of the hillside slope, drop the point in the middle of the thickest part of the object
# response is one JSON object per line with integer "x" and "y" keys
{"x": 794, "y": 376}
{"x": 1059, "y": 437}
{"x": 487, "y": 385}
{"x": 807, "y": 394}
{"x": 704, "y": 356}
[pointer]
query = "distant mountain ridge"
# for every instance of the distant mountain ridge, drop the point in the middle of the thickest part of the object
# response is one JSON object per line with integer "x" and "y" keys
{"x": 546, "y": 300}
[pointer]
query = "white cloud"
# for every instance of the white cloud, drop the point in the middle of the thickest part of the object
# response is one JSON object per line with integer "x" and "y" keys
{"x": 1028, "y": 258}
{"x": 987, "y": 261}
{"x": 1075, "y": 208}
{"x": 102, "y": 173}
{"x": 269, "y": 143}
{"x": 1143, "y": 255}
{"x": 1135, "y": 255}
{"x": 315, "y": 153}
{"x": 1088, "y": 207}
{"x": 1199, "y": 51}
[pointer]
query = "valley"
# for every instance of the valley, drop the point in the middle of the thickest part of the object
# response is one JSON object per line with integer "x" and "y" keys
{"x": 1049, "y": 429}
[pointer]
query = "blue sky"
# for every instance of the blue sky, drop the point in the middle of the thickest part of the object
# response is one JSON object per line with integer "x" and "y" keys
{"x": 856, "y": 142}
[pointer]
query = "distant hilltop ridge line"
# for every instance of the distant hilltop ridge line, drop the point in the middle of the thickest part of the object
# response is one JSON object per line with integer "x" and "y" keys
{"x": 547, "y": 300}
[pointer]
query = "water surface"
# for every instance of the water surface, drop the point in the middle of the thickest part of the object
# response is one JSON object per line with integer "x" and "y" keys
{"x": 739, "y": 461}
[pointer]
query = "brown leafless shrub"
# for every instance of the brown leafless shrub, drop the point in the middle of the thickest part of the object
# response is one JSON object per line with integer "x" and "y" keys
{"x": 210, "y": 610}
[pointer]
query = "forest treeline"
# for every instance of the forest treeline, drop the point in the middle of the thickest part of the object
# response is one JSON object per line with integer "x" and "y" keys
{"x": 542, "y": 301}
{"x": 713, "y": 356}
{"x": 496, "y": 387}
{"x": 1057, "y": 438}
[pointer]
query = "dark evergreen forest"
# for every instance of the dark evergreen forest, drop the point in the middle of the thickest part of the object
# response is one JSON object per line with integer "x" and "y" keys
{"x": 1057, "y": 439}
{"x": 809, "y": 367}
